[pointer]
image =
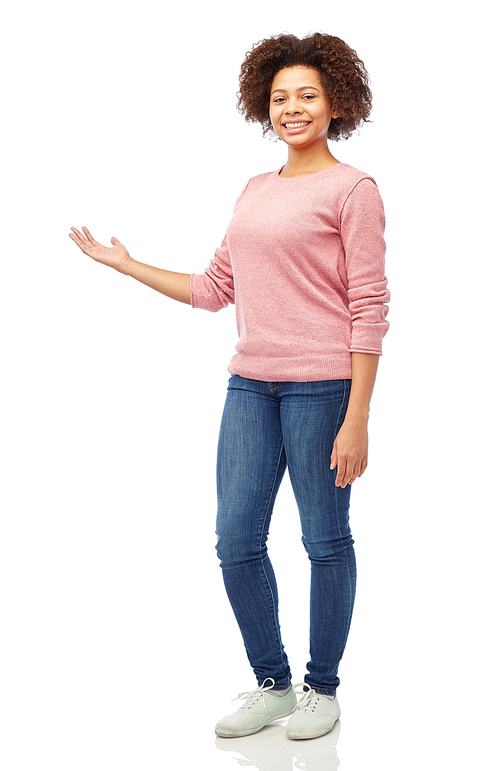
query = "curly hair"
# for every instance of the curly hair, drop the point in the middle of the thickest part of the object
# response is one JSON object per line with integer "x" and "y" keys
{"x": 341, "y": 72}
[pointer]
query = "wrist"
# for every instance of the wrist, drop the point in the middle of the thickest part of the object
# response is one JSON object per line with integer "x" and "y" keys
{"x": 126, "y": 265}
{"x": 357, "y": 415}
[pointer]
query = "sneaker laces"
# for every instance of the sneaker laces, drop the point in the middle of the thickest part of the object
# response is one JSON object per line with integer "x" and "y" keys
{"x": 309, "y": 700}
{"x": 252, "y": 697}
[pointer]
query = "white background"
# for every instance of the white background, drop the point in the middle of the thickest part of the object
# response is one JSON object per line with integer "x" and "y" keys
{"x": 118, "y": 648}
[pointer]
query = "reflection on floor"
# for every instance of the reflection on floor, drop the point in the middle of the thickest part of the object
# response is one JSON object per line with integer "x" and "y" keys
{"x": 271, "y": 750}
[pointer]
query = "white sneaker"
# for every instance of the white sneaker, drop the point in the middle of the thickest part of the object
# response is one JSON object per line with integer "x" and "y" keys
{"x": 260, "y": 708}
{"x": 315, "y": 715}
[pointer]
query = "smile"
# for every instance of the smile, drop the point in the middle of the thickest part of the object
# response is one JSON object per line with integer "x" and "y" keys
{"x": 297, "y": 125}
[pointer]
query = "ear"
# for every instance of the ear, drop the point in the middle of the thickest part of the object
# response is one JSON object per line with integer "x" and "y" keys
{"x": 335, "y": 114}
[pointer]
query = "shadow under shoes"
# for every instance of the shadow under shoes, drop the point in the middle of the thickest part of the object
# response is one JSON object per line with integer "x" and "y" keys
{"x": 315, "y": 715}
{"x": 261, "y": 707}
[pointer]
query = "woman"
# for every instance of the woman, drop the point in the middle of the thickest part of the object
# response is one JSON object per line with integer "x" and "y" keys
{"x": 303, "y": 260}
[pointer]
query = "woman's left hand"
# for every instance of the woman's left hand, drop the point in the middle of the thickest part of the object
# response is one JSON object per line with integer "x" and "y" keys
{"x": 350, "y": 451}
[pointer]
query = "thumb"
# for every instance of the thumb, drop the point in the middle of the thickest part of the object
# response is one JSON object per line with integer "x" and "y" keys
{"x": 333, "y": 458}
{"x": 114, "y": 241}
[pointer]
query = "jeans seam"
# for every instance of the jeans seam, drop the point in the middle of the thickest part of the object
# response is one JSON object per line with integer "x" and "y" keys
{"x": 273, "y": 600}
{"x": 351, "y": 596}
{"x": 339, "y": 531}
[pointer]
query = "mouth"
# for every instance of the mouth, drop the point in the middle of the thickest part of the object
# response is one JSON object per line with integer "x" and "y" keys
{"x": 296, "y": 126}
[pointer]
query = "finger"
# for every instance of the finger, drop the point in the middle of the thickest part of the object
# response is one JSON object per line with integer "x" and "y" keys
{"x": 350, "y": 472}
{"x": 79, "y": 240}
{"x": 89, "y": 236}
{"x": 341, "y": 469}
{"x": 333, "y": 459}
{"x": 355, "y": 473}
{"x": 351, "y": 469}
{"x": 348, "y": 479}
{"x": 79, "y": 236}
{"x": 82, "y": 239}
{"x": 364, "y": 464}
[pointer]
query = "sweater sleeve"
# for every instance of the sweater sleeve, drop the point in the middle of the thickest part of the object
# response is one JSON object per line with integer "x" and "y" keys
{"x": 214, "y": 289}
{"x": 362, "y": 233}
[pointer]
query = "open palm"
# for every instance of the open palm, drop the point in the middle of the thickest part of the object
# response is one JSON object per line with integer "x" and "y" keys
{"x": 114, "y": 256}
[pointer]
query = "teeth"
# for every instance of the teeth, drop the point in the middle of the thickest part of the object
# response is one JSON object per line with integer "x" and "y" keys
{"x": 296, "y": 125}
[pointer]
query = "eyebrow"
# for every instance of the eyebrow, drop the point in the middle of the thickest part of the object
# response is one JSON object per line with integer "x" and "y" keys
{"x": 301, "y": 88}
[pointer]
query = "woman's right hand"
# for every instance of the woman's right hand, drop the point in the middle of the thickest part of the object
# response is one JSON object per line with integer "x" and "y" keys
{"x": 115, "y": 256}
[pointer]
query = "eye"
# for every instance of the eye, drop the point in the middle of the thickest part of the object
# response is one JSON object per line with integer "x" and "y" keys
{"x": 308, "y": 96}
{"x": 279, "y": 99}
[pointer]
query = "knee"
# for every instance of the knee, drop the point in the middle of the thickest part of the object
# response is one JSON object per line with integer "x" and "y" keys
{"x": 236, "y": 547}
{"x": 328, "y": 552}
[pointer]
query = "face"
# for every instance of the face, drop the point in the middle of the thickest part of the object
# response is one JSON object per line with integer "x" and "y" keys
{"x": 299, "y": 109}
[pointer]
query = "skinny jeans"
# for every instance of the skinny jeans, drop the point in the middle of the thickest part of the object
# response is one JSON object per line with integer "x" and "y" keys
{"x": 267, "y": 427}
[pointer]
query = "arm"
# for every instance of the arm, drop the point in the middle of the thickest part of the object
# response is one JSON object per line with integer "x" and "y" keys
{"x": 362, "y": 230}
{"x": 173, "y": 285}
{"x": 350, "y": 449}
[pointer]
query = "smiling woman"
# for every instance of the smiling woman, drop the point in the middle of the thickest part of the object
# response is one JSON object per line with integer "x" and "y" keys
{"x": 343, "y": 77}
{"x": 301, "y": 115}
{"x": 303, "y": 261}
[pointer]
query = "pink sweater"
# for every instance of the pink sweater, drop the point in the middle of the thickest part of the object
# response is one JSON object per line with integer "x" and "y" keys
{"x": 303, "y": 260}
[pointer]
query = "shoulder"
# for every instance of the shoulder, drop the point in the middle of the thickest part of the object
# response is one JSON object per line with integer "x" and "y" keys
{"x": 349, "y": 178}
{"x": 356, "y": 188}
{"x": 261, "y": 179}
{"x": 255, "y": 185}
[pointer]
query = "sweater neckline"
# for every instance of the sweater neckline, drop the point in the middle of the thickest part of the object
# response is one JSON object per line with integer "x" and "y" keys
{"x": 306, "y": 176}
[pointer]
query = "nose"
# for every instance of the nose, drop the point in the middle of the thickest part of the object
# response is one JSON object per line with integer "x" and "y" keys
{"x": 294, "y": 105}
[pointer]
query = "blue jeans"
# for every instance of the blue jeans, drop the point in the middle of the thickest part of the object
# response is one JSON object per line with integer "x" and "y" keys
{"x": 265, "y": 428}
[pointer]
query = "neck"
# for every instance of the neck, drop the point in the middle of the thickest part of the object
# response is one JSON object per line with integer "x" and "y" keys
{"x": 307, "y": 161}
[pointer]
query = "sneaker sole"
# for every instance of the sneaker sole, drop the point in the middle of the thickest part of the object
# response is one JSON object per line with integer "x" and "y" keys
{"x": 310, "y": 734}
{"x": 235, "y": 734}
